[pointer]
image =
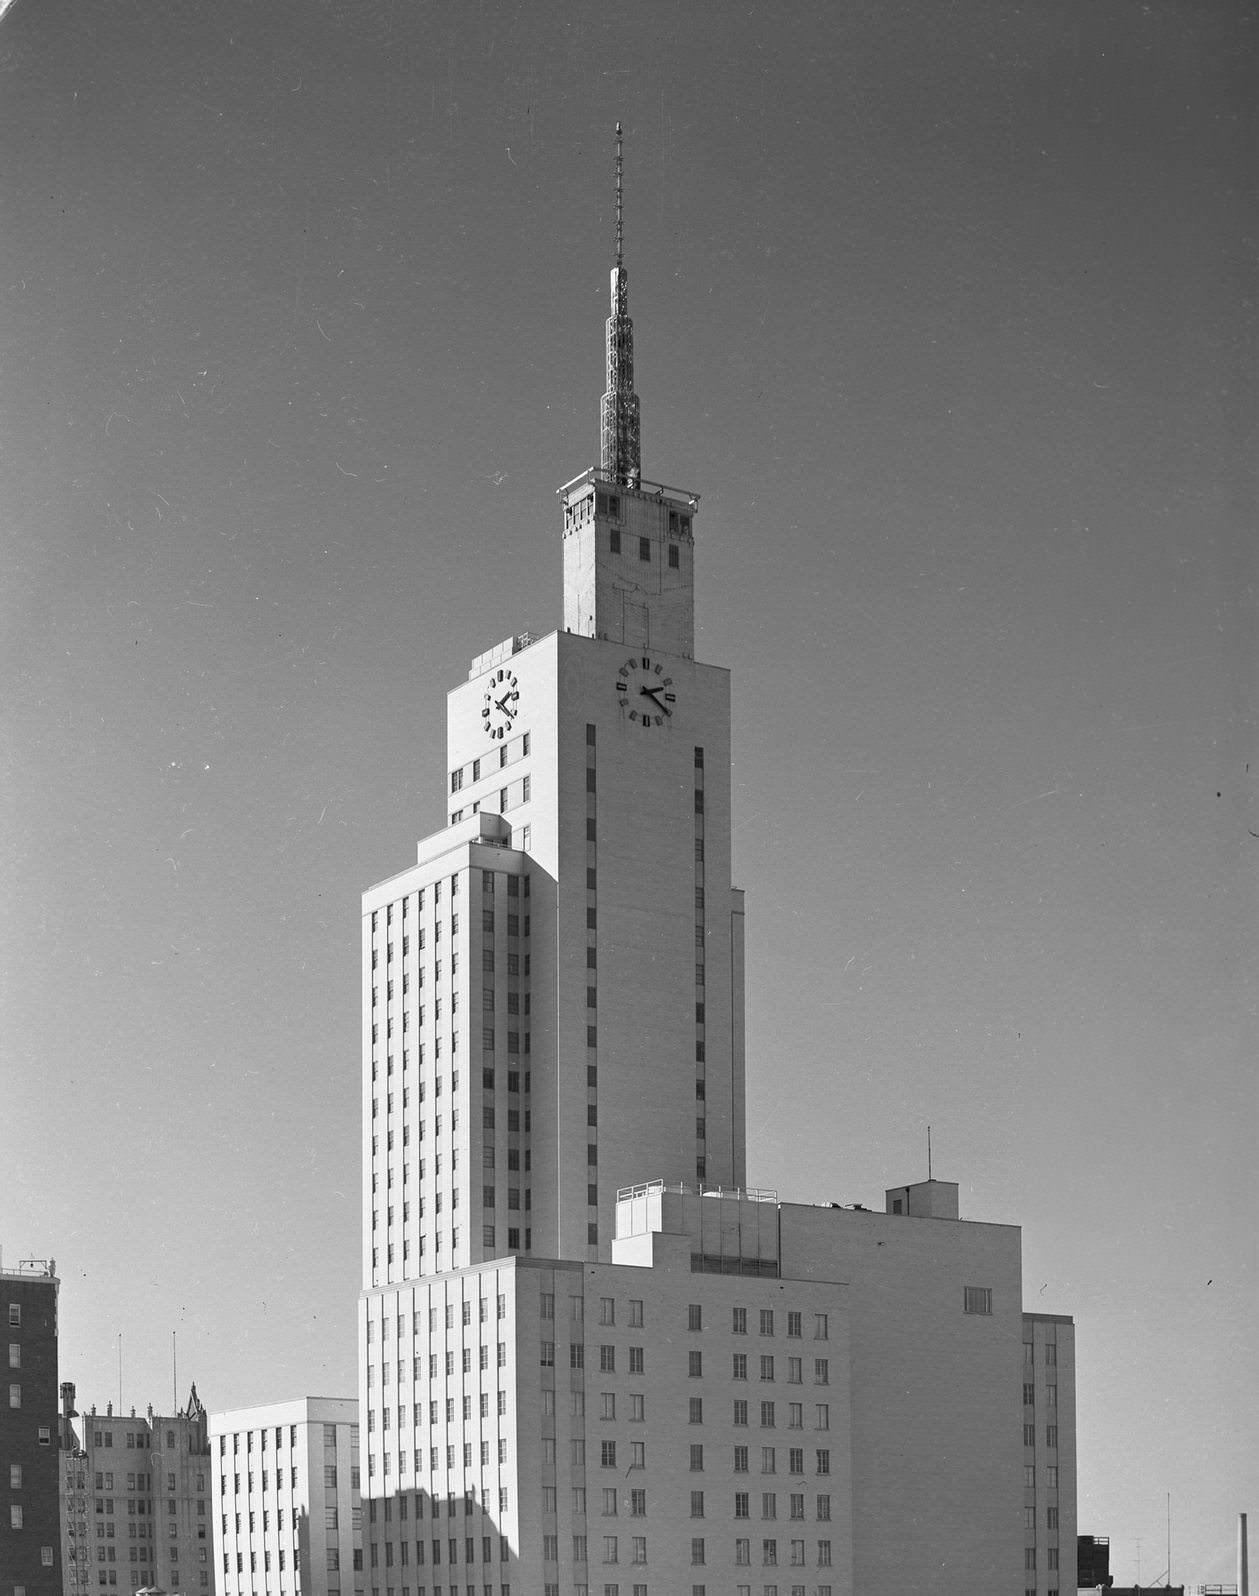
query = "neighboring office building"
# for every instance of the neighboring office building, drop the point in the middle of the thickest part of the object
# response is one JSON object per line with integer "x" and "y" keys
{"x": 286, "y": 1499}
{"x": 30, "y": 1559}
{"x": 572, "y": 1380}
{"x": 136, "y": 1503}
{"x": 1049, "y": 1482}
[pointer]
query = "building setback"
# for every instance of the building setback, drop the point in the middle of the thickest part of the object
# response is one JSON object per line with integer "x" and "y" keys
{"x": 286, "y": 1498}
{"x": 135, "y": 1500}
{"x": 591, "y": 1358}
{"x": 30, "y": 1560}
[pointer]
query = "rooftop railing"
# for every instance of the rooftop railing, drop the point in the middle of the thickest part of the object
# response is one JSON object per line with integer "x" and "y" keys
{"x": 752, "y": 1194}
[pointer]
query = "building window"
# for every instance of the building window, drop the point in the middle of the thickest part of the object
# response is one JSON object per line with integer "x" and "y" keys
{"x": 977, "y": 1299}
{"x": 644, "y": 548}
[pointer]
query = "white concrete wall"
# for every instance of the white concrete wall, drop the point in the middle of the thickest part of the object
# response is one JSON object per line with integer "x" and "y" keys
{"x": 640, "y": 603}
{"x": 554, "y": 1472}
{"x": 290, "y": 1510}
{"x": 937, "y": 1443}
{"x": 643, "y": 853}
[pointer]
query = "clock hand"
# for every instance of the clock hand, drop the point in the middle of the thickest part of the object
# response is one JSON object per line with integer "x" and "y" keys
{"x": 650, "y": 692}
{"x": 502, "y": 703}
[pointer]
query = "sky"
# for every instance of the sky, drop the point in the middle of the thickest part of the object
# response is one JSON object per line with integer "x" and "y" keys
{"x": 942, "y": 309}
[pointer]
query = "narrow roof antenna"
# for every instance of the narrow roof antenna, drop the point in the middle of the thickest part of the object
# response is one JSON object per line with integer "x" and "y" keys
{"x": 928, "y": 1152}
{"x": 620, "y": 232}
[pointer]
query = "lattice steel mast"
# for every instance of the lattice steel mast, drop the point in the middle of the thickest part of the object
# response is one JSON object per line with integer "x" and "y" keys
{"x": 620, "y": 440}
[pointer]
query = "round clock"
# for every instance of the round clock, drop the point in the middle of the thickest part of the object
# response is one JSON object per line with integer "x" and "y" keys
{"x": 500, "y": 704}
{"x": 645, "y": 691}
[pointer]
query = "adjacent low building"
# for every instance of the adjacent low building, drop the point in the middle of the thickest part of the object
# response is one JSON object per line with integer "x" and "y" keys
{"x": 135, "y": 1500}
{"x": 286, "y": 1499}
{"x": 764, "y": 1396}
{"x": 30, "y": 1555}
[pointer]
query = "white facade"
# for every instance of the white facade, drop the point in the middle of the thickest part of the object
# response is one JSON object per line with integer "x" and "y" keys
{"x": 286, "y": 1498}
{"x": 566, "y": 955}
{"x": 590, "y": 1359}
{"x": 839, "y": 1417}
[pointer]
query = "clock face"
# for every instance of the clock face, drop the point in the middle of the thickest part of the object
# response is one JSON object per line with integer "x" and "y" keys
{"x": 500, "y": 704}
{"x": 644, "y": 691}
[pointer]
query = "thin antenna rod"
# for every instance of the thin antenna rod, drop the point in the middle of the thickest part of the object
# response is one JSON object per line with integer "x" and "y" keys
{"x": 620, "y": 231}
{"x": 928, "y": 1152}
{"x": 120, "y": 1371}
{"x": 174, "y": 1375}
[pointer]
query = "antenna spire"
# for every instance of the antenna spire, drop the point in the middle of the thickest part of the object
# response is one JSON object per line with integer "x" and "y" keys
{"x": 620, "y": 172}
{"x": 620, "y": 442}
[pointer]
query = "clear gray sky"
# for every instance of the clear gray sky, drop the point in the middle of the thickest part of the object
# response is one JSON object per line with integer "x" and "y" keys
{"x": 941, "y": 308}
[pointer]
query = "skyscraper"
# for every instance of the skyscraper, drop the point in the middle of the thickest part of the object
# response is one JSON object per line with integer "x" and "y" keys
{"x": 574, "y": 1311}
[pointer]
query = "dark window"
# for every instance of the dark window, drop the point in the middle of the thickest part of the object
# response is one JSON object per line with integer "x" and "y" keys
{"x": 644, "y": 548}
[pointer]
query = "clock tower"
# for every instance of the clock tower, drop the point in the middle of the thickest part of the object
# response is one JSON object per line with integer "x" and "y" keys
{"x": 553, "y": 995}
